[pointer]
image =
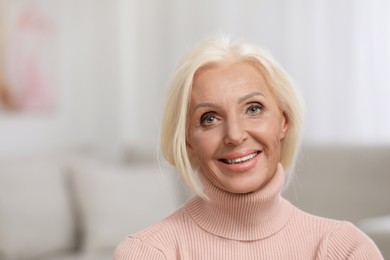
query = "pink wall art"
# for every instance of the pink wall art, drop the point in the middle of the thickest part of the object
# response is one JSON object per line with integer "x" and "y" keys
{"x": 27, "y": 59}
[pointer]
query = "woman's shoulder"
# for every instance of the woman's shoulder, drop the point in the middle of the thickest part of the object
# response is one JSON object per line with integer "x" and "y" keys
{"x": 346, "y": 240}
{"x": 338, "y": 239}
{"x": 156, "y": 241}
{"x": 135, "y": 248}
{"x": 166, "y": 227}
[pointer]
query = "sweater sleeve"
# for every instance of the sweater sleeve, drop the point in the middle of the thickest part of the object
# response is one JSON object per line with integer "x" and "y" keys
{"x": 348, "y": 242}
{"x": 136, "y": 249}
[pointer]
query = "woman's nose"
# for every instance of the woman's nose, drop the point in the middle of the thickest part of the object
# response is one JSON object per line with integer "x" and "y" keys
{"x": 235, "y": 132}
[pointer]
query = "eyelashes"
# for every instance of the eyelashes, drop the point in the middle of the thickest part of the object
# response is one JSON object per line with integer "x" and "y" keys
{"x": 210, "y": 118}
{"x": 255, "y": 109}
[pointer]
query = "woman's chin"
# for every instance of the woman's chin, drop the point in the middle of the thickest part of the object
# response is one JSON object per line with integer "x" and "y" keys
{"x": 243, "y": 186}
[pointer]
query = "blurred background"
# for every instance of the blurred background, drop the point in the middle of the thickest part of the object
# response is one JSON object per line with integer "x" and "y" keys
{"x": 79, "y": 75}
{"x": 106, "y": 64}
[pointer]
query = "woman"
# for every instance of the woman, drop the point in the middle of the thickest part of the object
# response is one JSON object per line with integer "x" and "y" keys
{"x": 233, "y": 118}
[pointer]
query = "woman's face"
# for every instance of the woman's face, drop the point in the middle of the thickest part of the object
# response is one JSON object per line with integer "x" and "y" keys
{"x": 235, "y": 127}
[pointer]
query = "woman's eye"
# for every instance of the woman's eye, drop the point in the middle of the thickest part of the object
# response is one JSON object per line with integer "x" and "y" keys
{"x": 254, "y": 109}
{"x": 208, "y": 119}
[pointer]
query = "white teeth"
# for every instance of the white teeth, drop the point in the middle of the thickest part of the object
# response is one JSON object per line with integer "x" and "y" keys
{"x": 242, "y": 159}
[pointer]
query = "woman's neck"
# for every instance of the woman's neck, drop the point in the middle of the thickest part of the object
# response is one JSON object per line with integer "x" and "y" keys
{"x": 250, "y": 216}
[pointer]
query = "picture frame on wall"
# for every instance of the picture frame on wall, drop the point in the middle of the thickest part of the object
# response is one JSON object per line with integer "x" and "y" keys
{"x": 28, "y": 58}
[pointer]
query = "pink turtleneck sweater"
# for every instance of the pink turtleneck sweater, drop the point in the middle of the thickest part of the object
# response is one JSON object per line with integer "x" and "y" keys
{"x": 259, "y": 225}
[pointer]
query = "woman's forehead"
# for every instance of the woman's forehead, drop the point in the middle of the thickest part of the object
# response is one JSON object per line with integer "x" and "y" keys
{"x": 224, "y": 76}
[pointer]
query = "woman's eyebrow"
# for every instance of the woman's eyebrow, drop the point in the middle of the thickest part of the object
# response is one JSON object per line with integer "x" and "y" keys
{"x": 209, "y": 105}
{"x": 248, "y": 96}
{"x": 240, "y": 100}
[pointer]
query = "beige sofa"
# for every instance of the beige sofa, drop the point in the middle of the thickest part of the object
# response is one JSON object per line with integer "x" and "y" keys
{"x": 77, "y": 207}
{"x": 67, "y": 207}
{"x": 348, "y": 183}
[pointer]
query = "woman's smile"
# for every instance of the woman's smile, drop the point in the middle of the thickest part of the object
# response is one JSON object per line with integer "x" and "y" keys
{"x": 238, "y": 163}
{"x": 240, "y": 159}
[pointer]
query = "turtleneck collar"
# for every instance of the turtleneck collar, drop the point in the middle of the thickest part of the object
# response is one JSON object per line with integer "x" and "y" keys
{"x": 247, "y": 217}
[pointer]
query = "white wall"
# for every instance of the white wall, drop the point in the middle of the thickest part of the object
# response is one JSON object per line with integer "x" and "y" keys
{"x": 115, "y": 58}
{"x": 88, "y": 111}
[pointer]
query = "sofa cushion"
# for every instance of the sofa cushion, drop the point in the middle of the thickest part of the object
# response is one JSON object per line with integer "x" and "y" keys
{"x": 117, "y": 201}
{"x": 35, "y": 214}
{"x": 342, "y": 182}
{"x": 107, "y": 255}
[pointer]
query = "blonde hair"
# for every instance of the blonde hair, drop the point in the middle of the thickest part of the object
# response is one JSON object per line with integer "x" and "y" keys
{"x": 217, "y": 51}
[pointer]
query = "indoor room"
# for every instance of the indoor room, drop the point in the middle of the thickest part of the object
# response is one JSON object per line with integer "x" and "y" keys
{"x": 83, "y": 86}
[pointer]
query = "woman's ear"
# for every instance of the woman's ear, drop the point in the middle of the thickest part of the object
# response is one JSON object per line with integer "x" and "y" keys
{"x": 284, "y": 126}
{"x": 191, "y": 154}
{"x": 189, "y": 146}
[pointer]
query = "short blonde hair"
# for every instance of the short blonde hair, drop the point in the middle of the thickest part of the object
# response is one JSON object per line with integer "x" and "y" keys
{"x": 216, "y": 51}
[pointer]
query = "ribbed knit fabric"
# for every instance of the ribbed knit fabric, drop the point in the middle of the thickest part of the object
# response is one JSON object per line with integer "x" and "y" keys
{"x": 259, "y": 225}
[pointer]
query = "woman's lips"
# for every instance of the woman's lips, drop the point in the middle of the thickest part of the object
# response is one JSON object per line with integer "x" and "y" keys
{"x": 240, "y": 159}
{"x": 240, "y": 164}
